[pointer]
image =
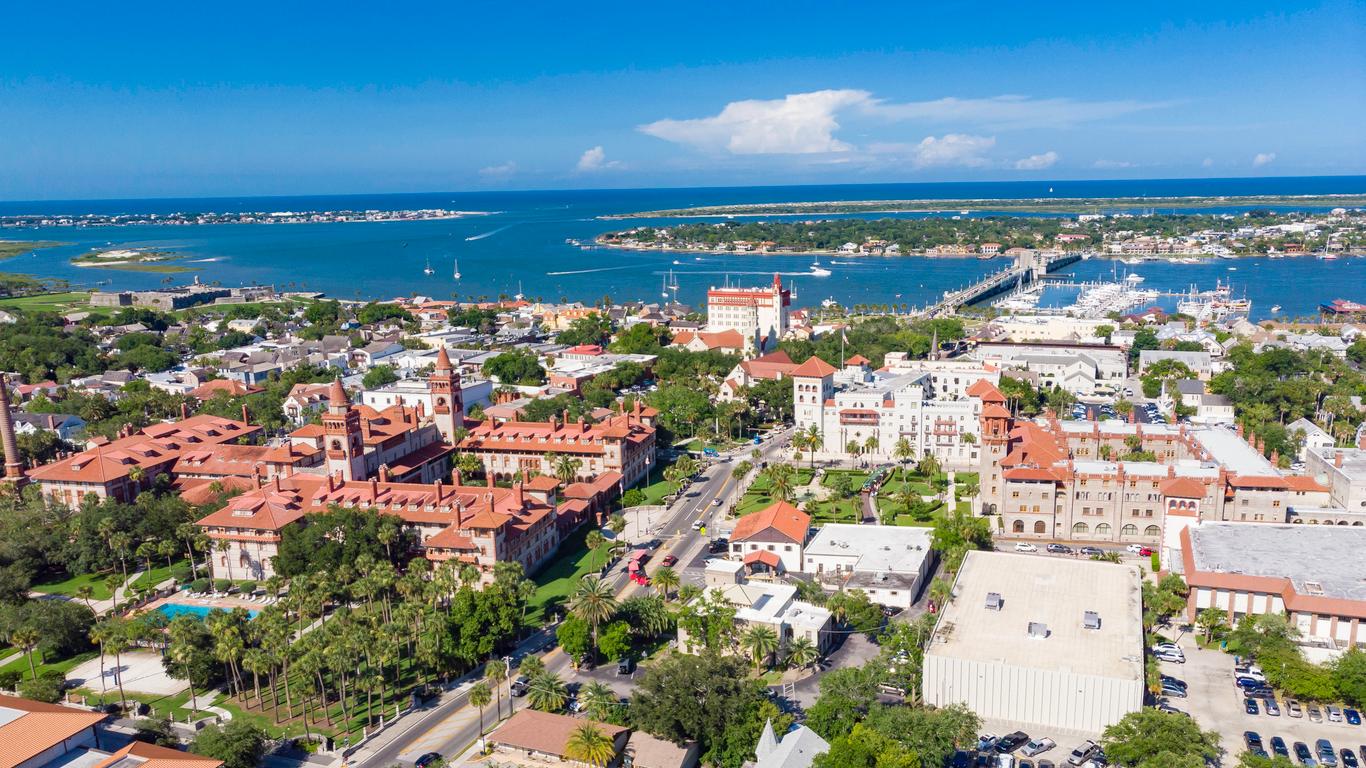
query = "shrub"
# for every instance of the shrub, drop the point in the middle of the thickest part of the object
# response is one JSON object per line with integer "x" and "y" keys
{"x": 1157, "y": 562}
{"x": 47, "y": 688}
{"x": 9, "y": 678}
{"x": 246, "y": 587}
{"x": 181, "y": 573}
{"x": 199, "y": 585}
{"x": 221, "y": 585}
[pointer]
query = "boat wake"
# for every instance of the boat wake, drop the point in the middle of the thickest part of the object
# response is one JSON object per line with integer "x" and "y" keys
{"x": 206, "y": 261}
{"x": 599, "y": 269}
{"x": 487, "y": 234}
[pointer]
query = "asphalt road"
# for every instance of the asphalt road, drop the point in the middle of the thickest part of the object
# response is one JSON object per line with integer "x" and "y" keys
{"x": 448, "y": 727}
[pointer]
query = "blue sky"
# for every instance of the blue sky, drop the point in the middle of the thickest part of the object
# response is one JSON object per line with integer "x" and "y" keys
{"x": 148, "y": 99}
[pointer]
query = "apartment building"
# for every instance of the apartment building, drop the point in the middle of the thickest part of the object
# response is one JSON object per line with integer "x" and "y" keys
{"x": 759, "y": 315}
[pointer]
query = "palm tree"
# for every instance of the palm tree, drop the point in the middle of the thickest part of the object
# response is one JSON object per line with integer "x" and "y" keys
{"x": 84, "y": 592}
{"x": 779, "y": 477}
{"x": 941, "y": 591}
{"x": 27, "y": 639}
{"x": 761, "y": 642}
{"x": 590, "y": 745}
{"x": 480, "y": 696}
{"x": 593, "y": 602}
{"x": 687, "y": 592}
{"x": 902, "y": 451}
{"x": 594, "y": 541}
{"x": 564, "y": 468}
{"x": 495, "y": 672}
{"x": 801, "y": 652}
{"x": 598, "y": 700}
{"x": 547, "y": 692}
{"x": 666, "y": 580}
{"x": 870, "y": 445}
{"x": 928, "y": 466}
{"x": 811, "y": 439}
{"x": 852, "y": 448}
{"x": 531, "y": 666}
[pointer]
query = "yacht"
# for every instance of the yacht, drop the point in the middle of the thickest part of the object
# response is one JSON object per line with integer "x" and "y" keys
{"x": 427, "y": 270}
{"x": 817, "y": 270}
{"x": 519, "y": 295}
{"x": 456, "y": 273}
{"x": 1275, "y": 308}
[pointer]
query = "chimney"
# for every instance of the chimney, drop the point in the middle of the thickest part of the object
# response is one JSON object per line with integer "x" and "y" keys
{"x": 256, "y": 476}
{"x": 374, "y": 489}
{"x": 277, "y": 483}
{"x": 517, "y": 497}
{"x": 439, "y": 490}
{"x": 421, "y": 409}
{"x": 455, "y": 477}
{"x": 384, "y": 473}
{"x": 184, "y": 411}
{"x": 1337, "y": 460}
{"x": 1275, "y": 457}
{"x": 14, "y": 465}
{"x": 245, "y": 419}
{"x": 489, "y": 476}
{"x": 1171, "y": 470}
{"x": 565, "y": 417}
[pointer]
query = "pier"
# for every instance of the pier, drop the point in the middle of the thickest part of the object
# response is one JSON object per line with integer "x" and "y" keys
{"x": 1027, "y": 269}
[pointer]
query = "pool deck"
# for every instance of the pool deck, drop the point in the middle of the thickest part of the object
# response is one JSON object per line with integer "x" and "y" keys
{"x": 222, "y": 602}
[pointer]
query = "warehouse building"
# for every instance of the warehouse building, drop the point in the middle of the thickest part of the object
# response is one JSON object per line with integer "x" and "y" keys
{"x": 1048, "y": 642}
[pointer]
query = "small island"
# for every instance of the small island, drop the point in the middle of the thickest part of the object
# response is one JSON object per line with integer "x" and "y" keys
{"x": 131, "y": 259}
{"x": 11, "y": 248}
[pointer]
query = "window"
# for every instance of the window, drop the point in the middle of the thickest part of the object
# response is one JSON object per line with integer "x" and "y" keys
{"x": 1129, "y": 530}
{"x": 1039, "y": 527}
{"x": 787, "y": 547}
{"x": 1152, "y": 530}
{"x": 1079, "y": 528}
{"x": 1103, "y": 529}
{"x": 1017, "y": 526}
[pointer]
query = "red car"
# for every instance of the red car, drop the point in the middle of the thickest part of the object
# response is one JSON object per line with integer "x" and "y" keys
{"x": 1145, "y": 552}
{"x": 669, "y": 561}
{"x": 640, "y": 578}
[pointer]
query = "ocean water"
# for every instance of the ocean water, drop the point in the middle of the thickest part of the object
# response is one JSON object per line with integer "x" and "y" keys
{"x": 521, "y": 246}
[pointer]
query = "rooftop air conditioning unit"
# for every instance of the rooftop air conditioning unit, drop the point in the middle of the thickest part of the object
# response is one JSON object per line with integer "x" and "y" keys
{"x": 1090, "y": 620}
{"x": 994, "y": 601}
{"x": 1038, "y": 629}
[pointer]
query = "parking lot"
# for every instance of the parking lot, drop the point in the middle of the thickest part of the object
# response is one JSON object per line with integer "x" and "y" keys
{"x": 1217, "y": 705}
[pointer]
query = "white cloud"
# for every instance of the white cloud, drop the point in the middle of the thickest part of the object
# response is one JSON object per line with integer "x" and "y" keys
{"x": 501, "y": 171}
{"x": 953, "y": 149}
{"x": 595, "y": 159}
{"x": 1262, "y": 158}
{"x": 1111, "y": 164}
{"x": 1207, "y": 162}
{"x": 807, "y": 123}
{"x": 1037, "y": 162}
{"x": 799, "y": 124}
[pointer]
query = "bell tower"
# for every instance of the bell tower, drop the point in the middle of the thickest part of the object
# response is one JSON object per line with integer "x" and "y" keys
{"x": 342, "y": 435}
{"x": 448, "y": 406}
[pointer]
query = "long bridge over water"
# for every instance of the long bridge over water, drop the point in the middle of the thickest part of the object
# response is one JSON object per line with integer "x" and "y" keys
{"x": 1028, "y": 267}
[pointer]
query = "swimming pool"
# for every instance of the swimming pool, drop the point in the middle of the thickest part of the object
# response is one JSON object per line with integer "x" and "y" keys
{"x": 172, "y": 610}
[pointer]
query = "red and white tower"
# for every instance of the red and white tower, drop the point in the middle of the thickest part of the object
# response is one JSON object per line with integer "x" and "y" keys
{"x": 448, "y": 406}
{"x": 342, "y": 434}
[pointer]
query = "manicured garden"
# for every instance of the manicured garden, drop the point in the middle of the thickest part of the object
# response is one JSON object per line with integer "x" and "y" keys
{"x": 555, "y": 581}
{"x": 70, "y": 586}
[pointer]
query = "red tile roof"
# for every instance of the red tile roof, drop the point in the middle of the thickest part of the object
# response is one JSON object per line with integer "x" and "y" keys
{"x": 986, "y": 392}
{"x": 770, "y": 559}
{"x": 155, "y": 445}
{"x": 814, "y": 368}
{"x": 40, "y": 728}
{"x": 146, "y": 755}
{"x": 1183, "y": 488}
{"x": 780, "y": 516}
{"x": 231, "y": 387}
{"x": 546, "y": 732}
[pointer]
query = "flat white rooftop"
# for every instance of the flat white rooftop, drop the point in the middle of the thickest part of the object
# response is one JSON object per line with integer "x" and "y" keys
{"x": 1054, "y": 592}
{"x": 1233, "y": 452}
{"x": 1320, "y": 560}
{"x": 891, "y": 548}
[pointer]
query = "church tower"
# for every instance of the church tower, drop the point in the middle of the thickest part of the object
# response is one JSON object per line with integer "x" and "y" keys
{"x": 448, "y": 406}
{"x": 342, "y": 435}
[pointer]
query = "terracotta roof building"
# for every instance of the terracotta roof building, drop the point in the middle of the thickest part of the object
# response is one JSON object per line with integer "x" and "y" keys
{"x": 540, "y": 735}
{"x": 623, "y": 443}
{"x": 477, "y": 525}
{"x": 772, "y": 539}
{"x": 33, "y": 733}
{"x": 758, "y": 315}
{"x": 124, "y": 467}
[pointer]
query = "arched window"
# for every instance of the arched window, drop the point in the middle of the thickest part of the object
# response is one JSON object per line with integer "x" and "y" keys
{"x": 1129, "y": 530}
{"x": 1152, "y": 530}
{"x": 336, "y": 444}
{"x": 1017, "y": 526}
{"x": 1039, "y": 527}
{"x": 1079, "y": 528}
{"x": 1103, "y": 529}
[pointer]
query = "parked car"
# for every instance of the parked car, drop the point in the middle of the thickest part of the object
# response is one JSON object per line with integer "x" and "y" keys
{"x": 1315, "y": 714}
{"x": 1011, "y": 742}
{"x": 1353, "y": 716}
{"x": 669, "y": 561}
{"x": 1293, "y": 709}
{"x": 1135, "y": 549}
{"x": 1326, "y": 754}
{"x": 1173, "y": 647}
{"x": 520, "y": 685}
{"x": 1174, "y": 681}
{"x": 1024, "y": 546}
{"x": 427, "y": 759}
{"x": 1175, "y": 691}
{"x": 625, "y": 665}
{"x": 1171, "y": 658}
{"x": 718, "y": 545}
{"x": 1303, "y": 754}
{"x": 987, "y": 742}
{"x": 1349, "y": 758}
{"x": 1038, "y": 747}
{"x": 1260, "y": 692}
{"x": 1278, "y": 747}
{"x": 1270, "y": 707}
{"x": 1082, "y": 753}
{"x": 1334, "y": 713}
{"x": 1090, "y": 551}
{"x": 1253, "y": 741}
{"x": 1059, "y": 549}
{"x": 1250, "y": 706}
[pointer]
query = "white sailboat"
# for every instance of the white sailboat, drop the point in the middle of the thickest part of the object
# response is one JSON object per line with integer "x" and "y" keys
{"x": 519, "y": 295}
{"x": 427, "y": 270}
{"x": 456, "y": 273}
{"x": 664, "y": 286}
{"x": 673, "y": 282}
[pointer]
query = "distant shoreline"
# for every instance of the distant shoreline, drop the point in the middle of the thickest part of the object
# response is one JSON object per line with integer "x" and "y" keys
{"x": 1075, "y": 205}
{"x": 1167, "y": 257}
{"x": 189, "y": 219}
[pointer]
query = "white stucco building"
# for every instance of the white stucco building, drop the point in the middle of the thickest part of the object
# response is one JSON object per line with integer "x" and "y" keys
{"x": 1053, "y": 643}
{"x": 760, "y": 315}
{"x": 889, "y": 562}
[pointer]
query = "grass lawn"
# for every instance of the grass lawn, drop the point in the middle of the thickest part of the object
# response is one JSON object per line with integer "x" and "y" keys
{"x": 49, "y": 302}
{"x": 964, "y": 507}
{"x": 857, "y": 477}
{"x": 69, "y": 586}
{"x": 655, "y": 487}
{"x": 963, "y": 478}
{"x": 162, "y": 706}
{"x": 155, "y": 576}
{"x": 557, "y": 580}
{"x": 832, "y": 511}
{"x": 20, "y": 663}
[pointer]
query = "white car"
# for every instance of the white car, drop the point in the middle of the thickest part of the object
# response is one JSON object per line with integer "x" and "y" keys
{"x": 1038, "y": 747}
{"x": 1024, "y": 546}
{"x": 1135, "y": 549}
